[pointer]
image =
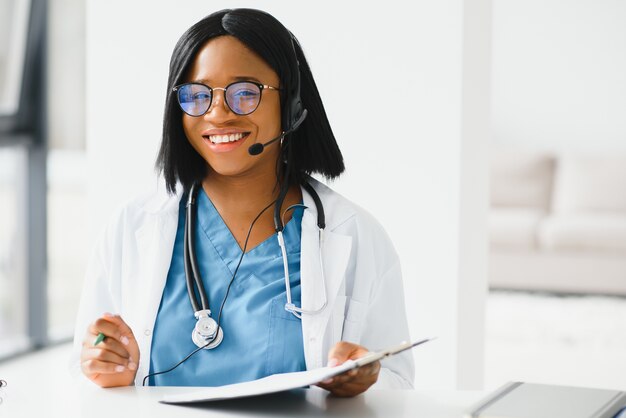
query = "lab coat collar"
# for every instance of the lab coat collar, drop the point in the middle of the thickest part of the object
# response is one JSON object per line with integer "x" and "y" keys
{"x": 336, "y": 209}
{"x": 160, "y": 201}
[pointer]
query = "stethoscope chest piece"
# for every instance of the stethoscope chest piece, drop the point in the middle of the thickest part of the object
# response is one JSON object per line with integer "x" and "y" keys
{"x": 206, "y": 330}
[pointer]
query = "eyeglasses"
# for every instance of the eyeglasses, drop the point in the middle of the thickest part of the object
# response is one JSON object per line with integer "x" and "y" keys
{"x": 242, "y": 97}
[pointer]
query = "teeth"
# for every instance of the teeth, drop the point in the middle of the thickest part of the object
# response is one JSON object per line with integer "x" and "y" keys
{"x": 220, "y": 139}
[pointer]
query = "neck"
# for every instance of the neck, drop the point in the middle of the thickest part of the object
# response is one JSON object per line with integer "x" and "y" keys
{"x": 240, "y": 199}
{"x": 243, "y": 190}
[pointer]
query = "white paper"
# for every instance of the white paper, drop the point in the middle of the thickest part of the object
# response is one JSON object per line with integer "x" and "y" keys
{"x": 285, "y": 381}
{"x": 269, "y": 384}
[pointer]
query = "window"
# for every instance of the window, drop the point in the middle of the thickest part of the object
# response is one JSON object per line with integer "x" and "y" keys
{"x": 13, "y": 327}
{"x": 14, "y": 25}
{"x": 22, "y": 176}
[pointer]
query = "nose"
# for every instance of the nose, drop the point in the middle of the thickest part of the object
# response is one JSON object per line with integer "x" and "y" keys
{"x": 219, "y": 108}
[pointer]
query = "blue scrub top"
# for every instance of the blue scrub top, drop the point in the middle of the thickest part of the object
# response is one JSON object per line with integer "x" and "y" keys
{"x": 260, "y": 337}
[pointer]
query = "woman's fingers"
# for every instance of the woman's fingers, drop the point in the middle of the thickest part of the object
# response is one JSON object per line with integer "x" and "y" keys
{"x": 347, "y": 384}
{"x": 363, "y": 372}
{"x": 368, "y": 374}
{"x": 354, "y": 381}
{"x": 97, "y": 367}
{"x": 127, "y": 336}
{"x": 110, "y": 357}
{"x": 119, "y": 338}
{"x": 108, "y": 328}
{"x": 343, "y": 351}
{"x": 114, "y": 360}
{"x": 109, "y": 344}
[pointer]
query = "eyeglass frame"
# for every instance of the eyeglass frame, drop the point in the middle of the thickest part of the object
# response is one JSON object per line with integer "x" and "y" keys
{"x": 261, "y": 87}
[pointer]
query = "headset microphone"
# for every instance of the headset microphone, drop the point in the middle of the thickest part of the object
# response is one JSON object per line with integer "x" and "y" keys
{"x": 256, "y": 149}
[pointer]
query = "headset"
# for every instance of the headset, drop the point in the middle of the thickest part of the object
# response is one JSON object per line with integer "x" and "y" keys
{"x": 294, "y": 112}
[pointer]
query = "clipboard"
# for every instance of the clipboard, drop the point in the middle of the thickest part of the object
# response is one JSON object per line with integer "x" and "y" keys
{"x": 379, "y": 355}
{"x": 284, "y": 381}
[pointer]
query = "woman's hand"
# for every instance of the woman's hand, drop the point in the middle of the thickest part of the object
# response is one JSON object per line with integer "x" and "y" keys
{"x": 114, "y": 361}
{"x": 355, "y": 381}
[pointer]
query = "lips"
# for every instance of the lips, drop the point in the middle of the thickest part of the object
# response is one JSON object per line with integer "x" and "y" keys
{"x": 226, "y": 138}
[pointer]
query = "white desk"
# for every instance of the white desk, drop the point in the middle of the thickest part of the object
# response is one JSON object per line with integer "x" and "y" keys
{"x": 39, "y": 385}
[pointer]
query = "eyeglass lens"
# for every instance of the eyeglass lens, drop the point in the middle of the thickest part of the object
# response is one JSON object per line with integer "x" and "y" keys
{"x": 242, "y": 98}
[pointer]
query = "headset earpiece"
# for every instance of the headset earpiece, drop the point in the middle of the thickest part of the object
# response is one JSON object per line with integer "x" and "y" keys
{"x": 294, "y": 108}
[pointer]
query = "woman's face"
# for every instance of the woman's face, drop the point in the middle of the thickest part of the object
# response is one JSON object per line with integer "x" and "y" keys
{"x": 221, "y": 61}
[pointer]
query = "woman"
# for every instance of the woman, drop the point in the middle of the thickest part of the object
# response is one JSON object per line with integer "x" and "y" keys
{"x": 244, "y": 266}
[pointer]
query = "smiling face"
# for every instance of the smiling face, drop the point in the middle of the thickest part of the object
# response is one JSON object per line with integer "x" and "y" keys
{"x": 221, "y": 136}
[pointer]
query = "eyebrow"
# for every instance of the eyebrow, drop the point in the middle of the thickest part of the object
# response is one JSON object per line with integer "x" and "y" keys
{"x": 236, "y": 78}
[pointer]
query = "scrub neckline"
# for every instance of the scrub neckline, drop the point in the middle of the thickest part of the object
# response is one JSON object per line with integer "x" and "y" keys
{"x": 290, "y": 226}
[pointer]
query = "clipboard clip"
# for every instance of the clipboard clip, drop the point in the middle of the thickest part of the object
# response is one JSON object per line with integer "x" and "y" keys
{"x": 379, "y": 355}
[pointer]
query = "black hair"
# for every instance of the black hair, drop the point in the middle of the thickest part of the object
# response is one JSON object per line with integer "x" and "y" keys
{"x": 312, "y": 148}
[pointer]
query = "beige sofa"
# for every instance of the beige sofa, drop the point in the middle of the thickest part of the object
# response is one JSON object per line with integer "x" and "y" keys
{"x": 558, "y": 222}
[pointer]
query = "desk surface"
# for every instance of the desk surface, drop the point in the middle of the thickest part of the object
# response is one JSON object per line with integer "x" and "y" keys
{"x": 40, "y": 385}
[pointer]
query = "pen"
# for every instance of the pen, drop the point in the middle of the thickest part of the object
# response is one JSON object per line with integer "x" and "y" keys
{"x": 99, "y": 339}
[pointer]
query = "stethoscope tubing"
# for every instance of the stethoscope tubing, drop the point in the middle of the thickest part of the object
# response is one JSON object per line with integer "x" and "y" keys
{"x": 191, "y": 262}
{"x": 192, "y": 272}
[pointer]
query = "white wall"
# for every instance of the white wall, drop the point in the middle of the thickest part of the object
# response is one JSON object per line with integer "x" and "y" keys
{"x": 406, "y": 62}
{"x": 559, "y": 74}
{"x": 66, "y": 74}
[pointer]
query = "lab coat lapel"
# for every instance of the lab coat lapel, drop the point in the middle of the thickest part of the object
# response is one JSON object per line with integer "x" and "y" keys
{"x": 155, "y": 243}
{"x": 336, "y": 253}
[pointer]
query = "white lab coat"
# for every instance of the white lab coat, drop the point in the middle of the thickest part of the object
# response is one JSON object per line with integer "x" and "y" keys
{"x": 128, "y": 270}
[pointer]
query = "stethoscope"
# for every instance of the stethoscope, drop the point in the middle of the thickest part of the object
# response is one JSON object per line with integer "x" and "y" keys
{"x": 207, "y": 332}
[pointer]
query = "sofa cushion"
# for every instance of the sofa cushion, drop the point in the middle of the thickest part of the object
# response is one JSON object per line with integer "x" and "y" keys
{"x": 585, "y": 232}
{"x": 520, "y": 178}
{"x": 590, "y": 183}
{"x": 511, "y": 228}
